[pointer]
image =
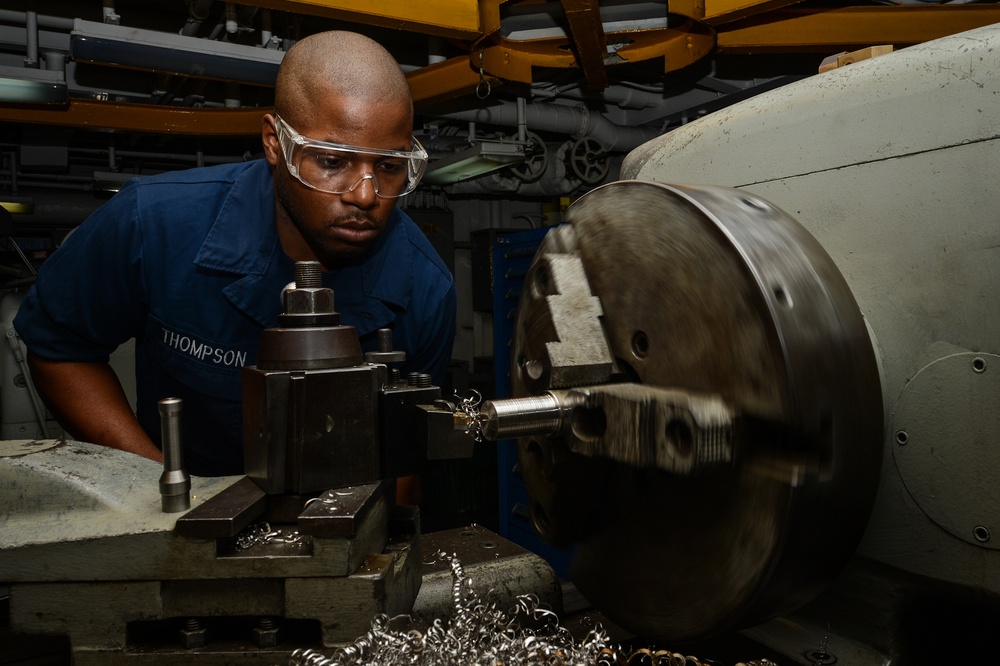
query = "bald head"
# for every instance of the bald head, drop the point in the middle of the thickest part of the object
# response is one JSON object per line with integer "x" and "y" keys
{"x": 337, "y": 63}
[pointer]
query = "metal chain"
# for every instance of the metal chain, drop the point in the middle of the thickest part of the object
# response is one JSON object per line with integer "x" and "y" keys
{"x": 480, "y": 633}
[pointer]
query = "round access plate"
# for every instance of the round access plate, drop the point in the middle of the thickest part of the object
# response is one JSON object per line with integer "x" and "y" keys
{"x": 945, "y": 449}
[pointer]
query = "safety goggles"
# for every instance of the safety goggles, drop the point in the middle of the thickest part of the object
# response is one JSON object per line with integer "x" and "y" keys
{"x": 337, "y": 168}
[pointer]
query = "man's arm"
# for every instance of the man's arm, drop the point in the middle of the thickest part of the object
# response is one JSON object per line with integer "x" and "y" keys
{"x": 89, "y": 402}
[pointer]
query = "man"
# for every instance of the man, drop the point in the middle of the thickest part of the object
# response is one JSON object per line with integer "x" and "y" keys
{"x": 191, "y": 264}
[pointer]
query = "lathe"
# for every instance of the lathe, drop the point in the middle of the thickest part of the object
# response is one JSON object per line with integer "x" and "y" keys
{"x": 734, "y": 398}
{"x": 765, "y": 402}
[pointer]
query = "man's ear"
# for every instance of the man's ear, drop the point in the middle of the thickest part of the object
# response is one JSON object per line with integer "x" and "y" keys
{"x": 269, "y": 137}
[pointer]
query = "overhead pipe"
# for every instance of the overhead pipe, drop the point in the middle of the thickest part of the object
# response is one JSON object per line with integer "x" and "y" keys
{"x": 522, "y": 122}
{"x": 197, "y": 13}
{"x": 31, "y": 27}
{"x": 245, "y": 15}
{"x": 575, "y": 121}
{"x": 43, "y": 21}
{"x": 231, "y": 25}
{"x": 110, "y": 16}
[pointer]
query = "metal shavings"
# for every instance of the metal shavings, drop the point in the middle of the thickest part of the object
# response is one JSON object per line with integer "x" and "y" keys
{"x": 260, "y": 533}
{"x": 480, "y": 634}
{"x": 469, "y": 406}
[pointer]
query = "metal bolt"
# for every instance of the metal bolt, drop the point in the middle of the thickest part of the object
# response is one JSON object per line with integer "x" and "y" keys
{"x": 265, "y": 634}
{"x": 193, "y": 635}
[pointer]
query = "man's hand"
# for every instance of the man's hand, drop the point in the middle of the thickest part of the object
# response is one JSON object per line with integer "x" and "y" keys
{"x": 88, "y": 400}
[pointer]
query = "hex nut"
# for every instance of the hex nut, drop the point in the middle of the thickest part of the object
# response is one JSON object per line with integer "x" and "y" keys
{"x": 308, "y": 300}
{"x": 193, "y": 638}
{"x": 265, "y": 637}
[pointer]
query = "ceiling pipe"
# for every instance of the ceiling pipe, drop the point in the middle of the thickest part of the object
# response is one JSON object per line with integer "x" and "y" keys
{"x": 197, "y": 13}
{"x": 575, "y": 121}
{"x": 43, "y": 21}
{"x": 31, "y": 27}
{"x": 110, "y": 16}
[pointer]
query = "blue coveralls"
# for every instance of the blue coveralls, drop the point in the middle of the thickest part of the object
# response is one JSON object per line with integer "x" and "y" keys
{"x": 189, "y": 264}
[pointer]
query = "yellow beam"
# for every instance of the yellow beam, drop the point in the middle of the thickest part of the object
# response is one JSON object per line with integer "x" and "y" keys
{"x": 458, "y": 19}
{"x": 723, "y": 11}
{"x": 90, "y": 114}
{"x": 845, "y": 27}
{"x": 445, "y": 80}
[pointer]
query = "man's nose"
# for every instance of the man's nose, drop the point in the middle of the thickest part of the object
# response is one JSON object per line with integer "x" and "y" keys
{"x": 362, "y": 192}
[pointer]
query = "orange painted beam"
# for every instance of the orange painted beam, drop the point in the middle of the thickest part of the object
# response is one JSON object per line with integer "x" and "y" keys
{"x": 451, "y": 78}
{"x": 724, "y": 11}
{"x": 458, "y": 19}
{"x": 841, "y": 28}
{"x": 114, "y": 116}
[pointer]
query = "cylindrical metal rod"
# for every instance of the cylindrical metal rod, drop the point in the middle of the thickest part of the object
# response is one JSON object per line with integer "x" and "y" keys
{"x": 175, "y": 483}
{"x": 544, "y": 414}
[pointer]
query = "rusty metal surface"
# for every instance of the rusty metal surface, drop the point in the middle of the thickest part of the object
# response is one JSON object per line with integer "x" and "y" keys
{"x": 723, "y": 295}
{"x": 589, "y": 42}
{"x": 225, "y": 514}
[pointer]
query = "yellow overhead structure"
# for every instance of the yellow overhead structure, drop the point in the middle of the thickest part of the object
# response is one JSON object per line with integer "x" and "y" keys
{"x": 96, "y": 115}
{"x": 458, "y": 19}
{"x": 696, "y": 29}
{"x": 834, "y": 29}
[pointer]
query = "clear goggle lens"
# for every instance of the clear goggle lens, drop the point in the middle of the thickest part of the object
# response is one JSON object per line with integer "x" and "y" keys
{"x": 337, "y": 168}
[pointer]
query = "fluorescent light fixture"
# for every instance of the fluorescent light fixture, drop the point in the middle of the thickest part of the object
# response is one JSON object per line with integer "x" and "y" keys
{"x": 109, "y": 181}
{"x": 167, "y": 52}
{"x": 27, "y": 85}
{"x": 482, "y": 158}
{"x": 17, "y": 205}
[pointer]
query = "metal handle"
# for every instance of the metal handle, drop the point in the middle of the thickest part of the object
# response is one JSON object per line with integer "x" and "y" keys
{"x": 175, "y": 483}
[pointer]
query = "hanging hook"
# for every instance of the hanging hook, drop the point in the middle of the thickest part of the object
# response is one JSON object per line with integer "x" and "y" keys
{"x": 481, "y": 91}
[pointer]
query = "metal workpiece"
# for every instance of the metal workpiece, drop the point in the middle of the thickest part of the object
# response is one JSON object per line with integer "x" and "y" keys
{"x": 741, "y": 400}
{"x": 175, "y": 482}
{"x": 545, "y": 414}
